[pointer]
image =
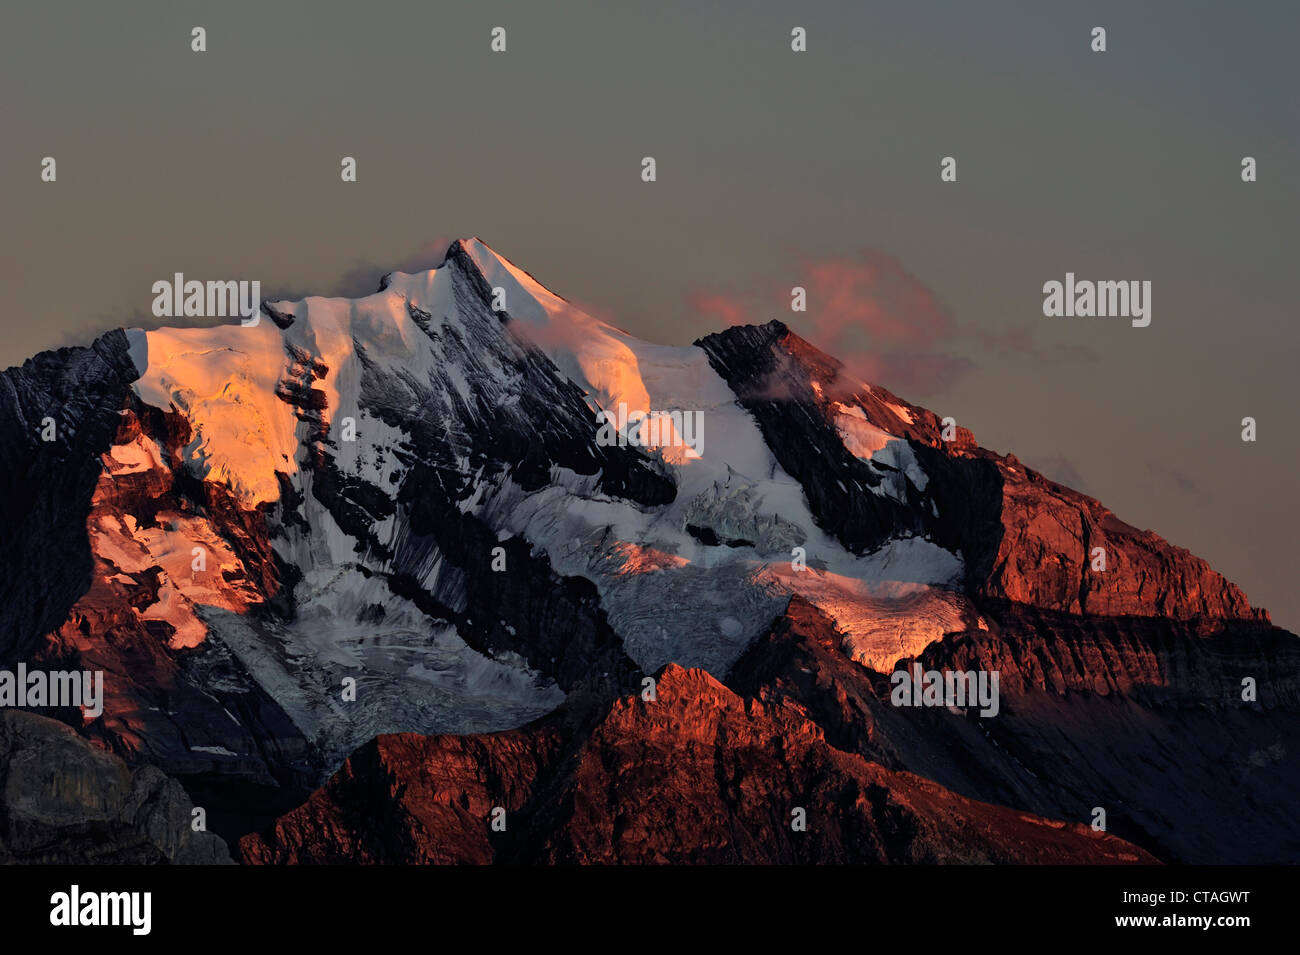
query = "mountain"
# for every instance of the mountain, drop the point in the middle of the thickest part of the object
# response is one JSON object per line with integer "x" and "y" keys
{"x": 385, "y": 559}
{"x": 697, "y": 775}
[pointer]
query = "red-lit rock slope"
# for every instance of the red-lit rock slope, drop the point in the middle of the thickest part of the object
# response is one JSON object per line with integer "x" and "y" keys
{"x": 699, "y": 774}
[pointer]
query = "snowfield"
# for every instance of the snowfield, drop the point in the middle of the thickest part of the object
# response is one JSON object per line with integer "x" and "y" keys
{"x": 694, "y": 581}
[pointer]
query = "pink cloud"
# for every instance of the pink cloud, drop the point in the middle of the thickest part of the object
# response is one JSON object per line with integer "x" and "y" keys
{"x": 881, "y": 321}
{"x": 875, "y": 295}
{"x": 722, "y": 309}
{"x": 599, "y": 312}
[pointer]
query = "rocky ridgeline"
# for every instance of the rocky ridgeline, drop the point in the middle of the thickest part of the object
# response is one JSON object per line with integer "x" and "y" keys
{"x": 1121, "y": 688}
{"x": 699, "y": 775}
{"x": 1023, "y": 537}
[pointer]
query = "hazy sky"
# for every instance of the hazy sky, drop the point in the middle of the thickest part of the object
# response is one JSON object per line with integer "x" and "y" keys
{"x": 774, "y": 169}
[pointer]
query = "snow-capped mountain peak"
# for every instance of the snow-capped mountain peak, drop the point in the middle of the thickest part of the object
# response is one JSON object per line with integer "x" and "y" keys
{"x": 420, "y": 491}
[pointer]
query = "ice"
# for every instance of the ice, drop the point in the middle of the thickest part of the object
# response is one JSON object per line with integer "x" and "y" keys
{"x": 671, "y": 597}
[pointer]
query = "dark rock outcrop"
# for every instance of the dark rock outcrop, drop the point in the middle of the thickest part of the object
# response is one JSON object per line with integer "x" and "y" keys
{"x": 1109, "y": 712}
{"x": 1024, "y": 538}
{"x": 62, "y": 800}
{"x": 72, "y": 396}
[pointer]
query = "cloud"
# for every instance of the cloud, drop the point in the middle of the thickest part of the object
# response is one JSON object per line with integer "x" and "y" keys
{"x": 363, "y": 276}
{"x": 881, "y": 321}
{"x": 1177, "y": 479}
{"x": 724, "y": 310}
{"x": 1021, "y": 341}
{"x": 598, "y": 312}
{"x": 865, "y": 310}
{"x": 873, "y": 294}
{"x": 1058, "y": 468}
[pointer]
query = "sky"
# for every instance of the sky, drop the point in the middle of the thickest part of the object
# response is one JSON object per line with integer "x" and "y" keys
{"x": 774, "y": 169}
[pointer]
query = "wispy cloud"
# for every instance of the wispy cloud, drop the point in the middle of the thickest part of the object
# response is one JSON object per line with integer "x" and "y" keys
{"x": 1175, "y": 478}
{"x": 880, "y": 320}
{"x": 719, "y": 308}
{"x": 1059, "y": 468}
{"x": 363, "y": 276}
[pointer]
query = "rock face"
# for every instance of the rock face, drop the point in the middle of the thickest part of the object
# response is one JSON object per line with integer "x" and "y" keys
{"x": 64, "y": 801}
{"x": 198, "y": 597}
{"x": 399, "y": 535}
{"x": 1110, "y": 712}
{"x": 70, "y": 397}
{"x": 1049, "y": 539}
{"x": 1025, "y": 538}
{"x": 698, "y": 775}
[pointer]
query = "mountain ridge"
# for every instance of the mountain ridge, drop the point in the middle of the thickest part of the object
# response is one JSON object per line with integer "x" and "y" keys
{"x": 407, "y": 490}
